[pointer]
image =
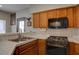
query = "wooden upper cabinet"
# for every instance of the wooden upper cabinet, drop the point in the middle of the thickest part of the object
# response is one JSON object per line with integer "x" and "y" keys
{"x": 36, "y": 20}
{"x": 61, "y": 12}
{"x": 77, "y": 16}
{"x": 40, "y": 19}
{"x": 43, "y": 20}
{"x": 52, "y": 14}
{"x": 70, "y": 15}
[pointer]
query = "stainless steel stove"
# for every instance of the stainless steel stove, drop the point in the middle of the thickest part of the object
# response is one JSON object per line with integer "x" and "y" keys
{"x": 57, "y": 45}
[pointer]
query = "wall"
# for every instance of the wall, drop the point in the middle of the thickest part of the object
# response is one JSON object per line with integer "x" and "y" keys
{"x": 6, "y": 16}
{"x": 19, "y": 14}
{"x": 37, "y": 8}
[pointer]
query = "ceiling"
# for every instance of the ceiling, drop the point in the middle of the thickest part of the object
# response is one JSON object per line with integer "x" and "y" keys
{"x": 13, "y": 7}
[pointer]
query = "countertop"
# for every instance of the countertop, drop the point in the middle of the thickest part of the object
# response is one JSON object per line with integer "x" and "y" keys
{"x": 44, "y": 35}
{"x": 8, "y": 47}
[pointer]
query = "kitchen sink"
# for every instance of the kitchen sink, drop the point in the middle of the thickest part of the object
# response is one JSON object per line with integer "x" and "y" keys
{"x": 21, "y": 39}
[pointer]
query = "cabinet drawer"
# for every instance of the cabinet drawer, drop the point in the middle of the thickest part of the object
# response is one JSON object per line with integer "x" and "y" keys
{"x": 26, "y": 46}
{"x": 29, "y": 51}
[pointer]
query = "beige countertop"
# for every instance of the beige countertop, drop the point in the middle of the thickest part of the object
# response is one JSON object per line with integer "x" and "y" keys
{"x": 44, "y": 35}
{"x": 74, "y": 39}
{"x": 8, "y": 47}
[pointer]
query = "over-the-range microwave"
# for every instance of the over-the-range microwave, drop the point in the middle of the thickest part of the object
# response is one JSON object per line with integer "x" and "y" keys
{"x": 61, "y": 22}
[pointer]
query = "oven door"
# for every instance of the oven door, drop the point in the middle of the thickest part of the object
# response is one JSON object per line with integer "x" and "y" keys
{"x": 54, "y": 50}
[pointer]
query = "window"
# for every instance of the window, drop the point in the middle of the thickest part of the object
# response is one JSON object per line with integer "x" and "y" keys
{"x": 21, "y": 25}
{"x": 2, "y": 26}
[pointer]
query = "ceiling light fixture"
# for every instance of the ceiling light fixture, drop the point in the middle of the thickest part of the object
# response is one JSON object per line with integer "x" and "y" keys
{"x": 0, "y": 5}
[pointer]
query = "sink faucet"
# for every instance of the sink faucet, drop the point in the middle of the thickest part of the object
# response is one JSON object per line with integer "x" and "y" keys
{"x": 19, "y": 36}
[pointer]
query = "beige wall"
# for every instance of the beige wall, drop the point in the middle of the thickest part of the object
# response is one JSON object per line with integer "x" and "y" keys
{"x": 6, "y": 16}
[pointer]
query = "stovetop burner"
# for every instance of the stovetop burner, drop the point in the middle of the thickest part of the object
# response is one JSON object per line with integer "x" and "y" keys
{"x": 59, "y": 41}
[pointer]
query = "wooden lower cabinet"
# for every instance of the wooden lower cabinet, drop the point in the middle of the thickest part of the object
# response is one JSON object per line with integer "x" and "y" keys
{"x": 71, "y": 48}
{"x": 41, "y": 46}
{"x": 74, "y": 48}
{"x": 27, "y": 49}
{"x": 36, "y": 47}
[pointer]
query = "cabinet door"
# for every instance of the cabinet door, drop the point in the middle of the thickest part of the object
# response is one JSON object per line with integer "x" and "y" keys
{"x": 71, "y": 48}
{"x": 61, "y": 12}
{"x": 36, "y": 20}
{"x": 77, "y": 16}
{"x": 43, "y": 20}
{"x": 76, "y": 49}
{"x": 70, "y": 15}
{"x": 52, "y": 14}
{"x": 27, "y": 49}
{"x": 41, "y": 47}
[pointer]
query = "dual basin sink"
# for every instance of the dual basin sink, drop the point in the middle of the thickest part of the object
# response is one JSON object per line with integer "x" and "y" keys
{"x": 21, "y": 39}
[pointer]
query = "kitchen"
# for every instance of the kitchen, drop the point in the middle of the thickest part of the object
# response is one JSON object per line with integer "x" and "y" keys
{"x": 59, "y": 21}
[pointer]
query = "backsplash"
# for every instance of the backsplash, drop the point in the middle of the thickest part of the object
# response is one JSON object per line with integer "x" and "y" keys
{"x": 38, "y": 29}
{"x": 59, "y": 32}
{"x": 64, "y": 32}
{"x": 69, "y": 32}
